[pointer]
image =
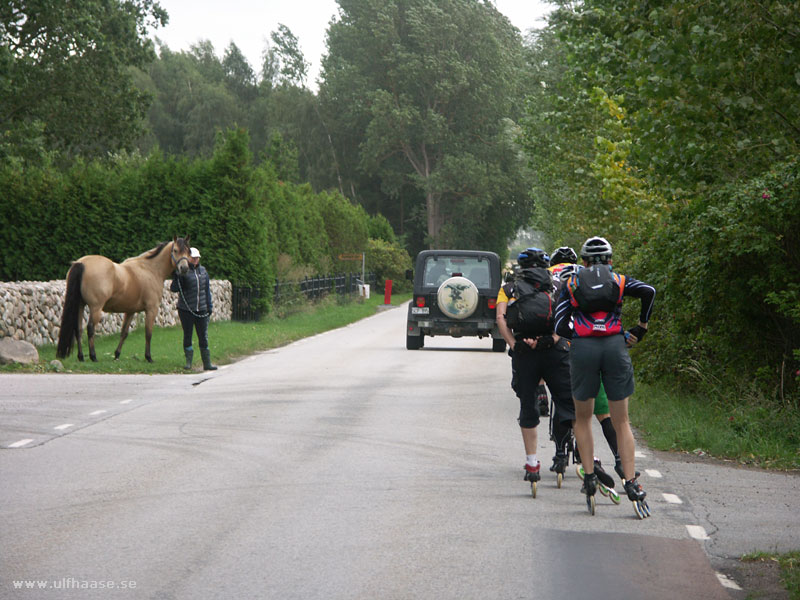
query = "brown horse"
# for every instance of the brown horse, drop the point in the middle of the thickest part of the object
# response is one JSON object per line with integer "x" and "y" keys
{"x": 132, "y": 286}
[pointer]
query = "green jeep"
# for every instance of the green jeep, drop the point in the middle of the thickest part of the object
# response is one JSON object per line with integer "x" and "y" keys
{"x": 455, "y": 294}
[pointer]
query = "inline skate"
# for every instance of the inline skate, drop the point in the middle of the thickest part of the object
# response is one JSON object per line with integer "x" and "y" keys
{"x": 541, "y": 398}
{"x": 590, "y": 488}
{"x": 560, "y": 462}
{"x": 532, "y": 475}
{"x": 637, "y": 495}
{"x": 604, "y": 480}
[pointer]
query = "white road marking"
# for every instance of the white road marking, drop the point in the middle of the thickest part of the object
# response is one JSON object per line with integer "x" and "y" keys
{"x": 20, "y": 444}
{"x": 653, "y": 473}
{"x": 697, "y": 532}
{"x": 64, "y": 426}
{"x": 97, "y": 412}
{"x": 672, "y": 499}
{"x": 638, "y": 454}
{"x": 728, "y": 582}
{"x": 128, "y": 401}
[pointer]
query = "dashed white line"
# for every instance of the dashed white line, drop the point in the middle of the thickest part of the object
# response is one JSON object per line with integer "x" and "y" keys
{"x": 728, "y": 582}
{"x": 653, "y": 473}
{"x": 64, "y": 426}
{"x": 697, "y": 532}
{"x": 20, "y": 444}
{"x": 128, "y": 401}
{"x": 672, "y": 499}
{"x": 97, "y": 412}
{"x": 638, "y": 454}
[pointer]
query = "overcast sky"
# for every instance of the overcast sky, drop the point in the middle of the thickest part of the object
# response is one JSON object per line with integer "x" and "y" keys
{"x": 248, "y": 23}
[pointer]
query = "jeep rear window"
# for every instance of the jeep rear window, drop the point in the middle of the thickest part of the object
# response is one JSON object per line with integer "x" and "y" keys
{"x": 440, "y": 268}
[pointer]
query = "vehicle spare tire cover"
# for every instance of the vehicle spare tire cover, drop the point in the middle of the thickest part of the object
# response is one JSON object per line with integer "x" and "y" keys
{"x": 457, "y": 297}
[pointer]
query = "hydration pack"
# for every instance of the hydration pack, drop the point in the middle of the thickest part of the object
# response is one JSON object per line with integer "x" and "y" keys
{"x": 531, "y": 313}
{"x": 596, "y": 288}
{"x": 596, "y": 292}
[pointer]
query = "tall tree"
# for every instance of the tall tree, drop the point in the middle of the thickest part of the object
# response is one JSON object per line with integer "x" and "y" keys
{"x": 66, "y": 67}
{"x": 417, "y": 93}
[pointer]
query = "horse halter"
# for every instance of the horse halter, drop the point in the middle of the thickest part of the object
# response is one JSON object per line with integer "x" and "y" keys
{"x": 175, "y": 263}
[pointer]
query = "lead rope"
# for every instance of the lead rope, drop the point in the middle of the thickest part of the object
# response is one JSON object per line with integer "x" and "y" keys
{"x": 180, "y": 288}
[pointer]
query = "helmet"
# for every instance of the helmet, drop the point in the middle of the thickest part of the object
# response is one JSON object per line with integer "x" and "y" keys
{"x": 596, "y": 249}
{"x": 565, "y": 254}
{"x": 533, "y": 257}
{"x": 567, "y": 271}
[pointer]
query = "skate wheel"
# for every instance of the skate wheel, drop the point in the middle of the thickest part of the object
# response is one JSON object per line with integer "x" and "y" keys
{"x": 639, "y": 510}
{"x": 533, "y": 489}
{"x": 603, "y": 489}
{"x": 590, "y": 503}
{"x": 645, "y": 508}
{"x": 579, "y": 471}
{"x": 612, "y": 493}
{"x": 559, "y": 480}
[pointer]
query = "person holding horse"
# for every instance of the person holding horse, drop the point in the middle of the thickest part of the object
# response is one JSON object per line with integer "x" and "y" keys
{"x": 194, "y": 308}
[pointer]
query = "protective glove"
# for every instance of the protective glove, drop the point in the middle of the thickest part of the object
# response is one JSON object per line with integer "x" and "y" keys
{"x": 521, "y": 347}
{"x": 545, "y": 342}
{"x": 638, "y": 332}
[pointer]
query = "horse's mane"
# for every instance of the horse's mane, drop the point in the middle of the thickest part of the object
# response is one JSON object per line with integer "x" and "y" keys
{"x": 155, "y": 251}
{"x": 149, "y": 254}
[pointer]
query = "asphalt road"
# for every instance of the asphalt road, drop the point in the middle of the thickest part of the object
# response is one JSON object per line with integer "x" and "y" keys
{"x": 344, "y": 466}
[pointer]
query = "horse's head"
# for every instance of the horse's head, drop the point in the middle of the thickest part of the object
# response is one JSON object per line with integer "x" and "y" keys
{"x": 180, "y": 254}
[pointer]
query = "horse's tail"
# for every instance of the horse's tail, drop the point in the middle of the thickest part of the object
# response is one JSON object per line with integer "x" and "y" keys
{"x": 69, "y": 317}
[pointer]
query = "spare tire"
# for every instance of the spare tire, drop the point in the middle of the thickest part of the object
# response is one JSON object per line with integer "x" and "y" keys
{"x": 457, "y": 297}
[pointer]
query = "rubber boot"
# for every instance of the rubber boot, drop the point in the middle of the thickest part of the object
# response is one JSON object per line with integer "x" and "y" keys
{"x": 206, "y": 354}
{"x": 189, "y": 352}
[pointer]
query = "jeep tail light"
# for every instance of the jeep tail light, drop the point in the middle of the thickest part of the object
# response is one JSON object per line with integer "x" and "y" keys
{"x": 492, "y": 303}
{"x": 420, "y": 301}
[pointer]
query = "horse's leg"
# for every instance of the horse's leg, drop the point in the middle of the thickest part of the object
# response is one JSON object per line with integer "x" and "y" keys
{"x": 126, "y": 323}
{"x": 81, "y": 307}
{"x": 149, "y": 321}
{"x": 94, "y": 320}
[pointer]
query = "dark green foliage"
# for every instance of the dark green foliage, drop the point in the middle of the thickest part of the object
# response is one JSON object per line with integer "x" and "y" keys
{"x": 731, "y": 284}
{"x": 67, "y": 71}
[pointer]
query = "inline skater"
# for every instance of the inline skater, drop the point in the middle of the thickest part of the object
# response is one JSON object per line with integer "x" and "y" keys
{"x": 591, "y": 301}
{"x": 536, "y": 352}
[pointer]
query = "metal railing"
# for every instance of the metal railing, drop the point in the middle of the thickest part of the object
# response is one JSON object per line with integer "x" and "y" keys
{"x": 244, "y": 298}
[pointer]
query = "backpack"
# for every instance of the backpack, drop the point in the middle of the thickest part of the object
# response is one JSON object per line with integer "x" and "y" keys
{"x": 596, "y": 288}
{"x": 531, "y": 313}
{"x": 596, "y": 292}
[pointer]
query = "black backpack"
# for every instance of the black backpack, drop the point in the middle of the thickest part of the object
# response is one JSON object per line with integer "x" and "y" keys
{"x": 531, "y": 313}
{"x": 596, "y": 288}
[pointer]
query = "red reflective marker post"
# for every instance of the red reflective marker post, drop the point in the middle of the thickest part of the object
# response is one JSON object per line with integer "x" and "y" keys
{"x": 387, "y": 294}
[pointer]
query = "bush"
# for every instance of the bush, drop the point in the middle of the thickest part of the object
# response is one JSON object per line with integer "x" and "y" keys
{"x": 389, "y": 261}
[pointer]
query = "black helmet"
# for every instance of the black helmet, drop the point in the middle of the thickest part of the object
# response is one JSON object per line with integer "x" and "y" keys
{"x": 533, "y": 257}
{"x": 565, "y": 254}
{"x": 596, "y": 249}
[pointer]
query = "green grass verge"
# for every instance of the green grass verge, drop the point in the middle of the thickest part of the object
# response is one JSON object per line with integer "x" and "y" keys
{"x": 743, "y": 430}
{"x": 789, "y": 564}
{"x": 228, "y": 340}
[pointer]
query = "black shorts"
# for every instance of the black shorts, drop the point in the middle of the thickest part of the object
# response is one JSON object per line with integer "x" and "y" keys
{"x": 591, "y": 357}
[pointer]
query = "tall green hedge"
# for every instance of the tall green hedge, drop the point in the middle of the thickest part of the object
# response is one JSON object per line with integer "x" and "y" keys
{"x": 241, "y": 216}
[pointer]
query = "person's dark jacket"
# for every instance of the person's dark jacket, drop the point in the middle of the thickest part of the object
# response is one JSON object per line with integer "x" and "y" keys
{"x": 194, "y": 290}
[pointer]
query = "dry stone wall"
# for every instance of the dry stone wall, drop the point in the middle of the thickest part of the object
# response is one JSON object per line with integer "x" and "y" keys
{"x": 31, "y": 310}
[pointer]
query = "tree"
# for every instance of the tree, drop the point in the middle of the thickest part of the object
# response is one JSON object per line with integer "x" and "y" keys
{"x": 284, "y": 63}
{"x": 417, "y": 93}
{"x": 66, "y": 66}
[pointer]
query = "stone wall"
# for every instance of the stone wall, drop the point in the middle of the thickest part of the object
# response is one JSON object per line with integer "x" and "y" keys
{"x": 31, "y": 310}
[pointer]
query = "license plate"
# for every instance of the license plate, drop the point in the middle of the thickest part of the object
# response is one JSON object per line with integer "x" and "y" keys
{"x": 420, "y": 310}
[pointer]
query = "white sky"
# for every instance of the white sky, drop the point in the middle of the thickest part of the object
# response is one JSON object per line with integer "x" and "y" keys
{"x": 249, "y": 23}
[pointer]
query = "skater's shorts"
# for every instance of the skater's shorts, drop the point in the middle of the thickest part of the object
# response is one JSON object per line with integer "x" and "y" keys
{"x": 593, "y": 357}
